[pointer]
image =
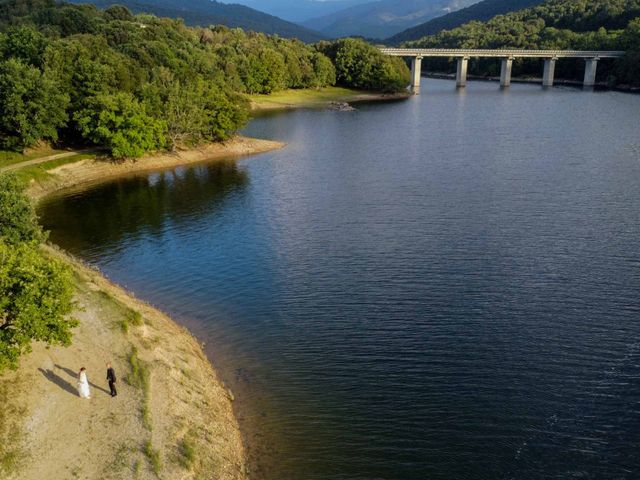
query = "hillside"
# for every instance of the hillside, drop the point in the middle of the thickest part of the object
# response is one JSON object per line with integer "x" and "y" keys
{"x": 382, "y": 18}
{"x": 204, "y": 13}
{"x": 479, "y": 11}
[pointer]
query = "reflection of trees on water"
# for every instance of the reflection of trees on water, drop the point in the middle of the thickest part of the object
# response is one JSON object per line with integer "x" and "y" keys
{"x": 143, "y": 204}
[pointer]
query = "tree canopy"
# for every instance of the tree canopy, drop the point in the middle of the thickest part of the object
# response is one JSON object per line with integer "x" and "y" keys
{"x": 35, "y": 291}
{"x": 136, "y": 83}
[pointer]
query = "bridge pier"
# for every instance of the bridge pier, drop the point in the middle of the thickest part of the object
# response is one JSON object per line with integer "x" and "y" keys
{"x": 549, "y": 71}
{"x": 416, "y": 74}
{"x": 590, "y": 72}
{"x": 461, "y": 72}
{"x": 505, "y": 71}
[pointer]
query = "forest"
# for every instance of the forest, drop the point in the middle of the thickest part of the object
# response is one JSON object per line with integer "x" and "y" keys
{"x": 483, "y": 10}
{"x": 78, "y": 75}
{"x": 555, "y": 24}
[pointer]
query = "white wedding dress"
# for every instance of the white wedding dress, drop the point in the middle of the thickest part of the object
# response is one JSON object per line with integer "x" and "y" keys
{"x": 83, "y": 386}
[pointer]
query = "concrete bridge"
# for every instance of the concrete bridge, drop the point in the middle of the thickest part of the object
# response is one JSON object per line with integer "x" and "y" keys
{"x": 507, "y": 56}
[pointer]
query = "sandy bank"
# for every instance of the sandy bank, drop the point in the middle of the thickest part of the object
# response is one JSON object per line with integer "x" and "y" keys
{"x": 173, "y": 417}
{"x": 176, "y": 424}
{"x": 97, "y": 170}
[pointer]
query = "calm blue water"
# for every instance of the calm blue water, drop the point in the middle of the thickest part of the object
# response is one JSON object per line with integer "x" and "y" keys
{"x": 442, "y": 288}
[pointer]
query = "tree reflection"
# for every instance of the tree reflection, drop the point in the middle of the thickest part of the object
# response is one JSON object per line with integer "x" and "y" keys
{"x": 134, "y": 206}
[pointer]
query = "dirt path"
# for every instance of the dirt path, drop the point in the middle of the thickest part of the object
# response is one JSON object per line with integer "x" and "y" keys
{"x": 36, "y": 161}
{"x": 176, "y": 424}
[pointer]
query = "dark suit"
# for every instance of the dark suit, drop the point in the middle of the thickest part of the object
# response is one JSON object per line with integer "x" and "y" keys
{"x": 111, "y": 378}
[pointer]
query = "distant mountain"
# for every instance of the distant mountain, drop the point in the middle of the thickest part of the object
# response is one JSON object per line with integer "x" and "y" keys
{"x": 382, "y": 18}
{"x": 300, "y": 10}
{"x": 481, "y": 11}
{"x": 207, "y": 12}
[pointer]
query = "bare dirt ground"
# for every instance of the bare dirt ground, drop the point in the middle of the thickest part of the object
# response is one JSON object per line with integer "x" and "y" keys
{"x": 172, "y": 418}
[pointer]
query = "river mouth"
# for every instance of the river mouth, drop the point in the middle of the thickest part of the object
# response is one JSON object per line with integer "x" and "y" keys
{"x": 439, "y": 288}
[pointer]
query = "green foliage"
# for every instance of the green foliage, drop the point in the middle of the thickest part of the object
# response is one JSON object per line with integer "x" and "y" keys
{"x": 361, "y": 65}
{"x": 35, "y": 291}
{"x": 120, "y": 123}
{"x": 325, "y": 71}
{"x": 482, "y": 11}
{"x": 24, "y": 43}
{"x": 200, "y": 111}
{"x": 134, "y": 84}
{"x": 35, "y": 301}
{"x": 555, "y": 24}
{"x": 263, "y": 71}
{"x": 118, "y": 12}
{"x": 18, "y": 221}
{"x": 628, "y": 69}
{"x": 32, "y": 107}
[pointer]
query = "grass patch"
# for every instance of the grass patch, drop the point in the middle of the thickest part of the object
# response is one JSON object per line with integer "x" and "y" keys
{"x": 11, "y": 417}
{"x": 139, "y": 377}
{"x": 132, "y": 317}
{"x": 40, "y": 172}
{"x": 105, "y": 296}
{"x": 11, "y": 158}
{"x": 188, "y": 455}
{"x": 153, "y": 455}
{"x": 307, "y": 97}
{"x": 121, "y": 458}
{"x": 136, "y": 468}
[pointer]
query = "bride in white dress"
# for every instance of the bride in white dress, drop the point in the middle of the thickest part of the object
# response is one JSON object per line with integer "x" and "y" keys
{"x": 83, "y": 384}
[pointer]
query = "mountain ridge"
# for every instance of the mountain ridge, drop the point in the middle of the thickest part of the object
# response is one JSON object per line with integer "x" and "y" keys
{"x": 203, "y": 13}
{"x": 382, "y": 18}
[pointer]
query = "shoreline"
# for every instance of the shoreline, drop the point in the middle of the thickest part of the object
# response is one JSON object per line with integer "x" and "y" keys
{"x": 84, "y": 173}
{"x": 294, "y": 99}
{"x": 185, "y": 412}
{"x": 178, "y": 422}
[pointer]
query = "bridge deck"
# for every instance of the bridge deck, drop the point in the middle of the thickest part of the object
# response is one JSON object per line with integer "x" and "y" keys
{"x": 502, "y": 53}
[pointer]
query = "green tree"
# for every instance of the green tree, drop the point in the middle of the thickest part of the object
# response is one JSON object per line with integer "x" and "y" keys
{"x": 199, "y": 111}
{"x": 35, "y": 301}
{"x": 325, "y": 72}
{"x": 18, "y": 221}
{"x": 24, "y": 43}
{"x": 120, "y": 123}
{"x": 628, "y": 69}
{"x": 118, "y": 12}
{"x": 264, "y": 71}
{"x": 32, "y": 107}
{"x": 361, "y": 65}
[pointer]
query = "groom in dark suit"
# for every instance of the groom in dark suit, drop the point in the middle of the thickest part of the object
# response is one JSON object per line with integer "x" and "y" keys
{"x": 111, "y": 378}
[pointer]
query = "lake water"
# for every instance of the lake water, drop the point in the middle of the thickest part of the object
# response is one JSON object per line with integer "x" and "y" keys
{"x": 446, "y": 287}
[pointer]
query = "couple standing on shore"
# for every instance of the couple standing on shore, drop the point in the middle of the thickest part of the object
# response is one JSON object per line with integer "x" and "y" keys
{"x": 83, "y": 382}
